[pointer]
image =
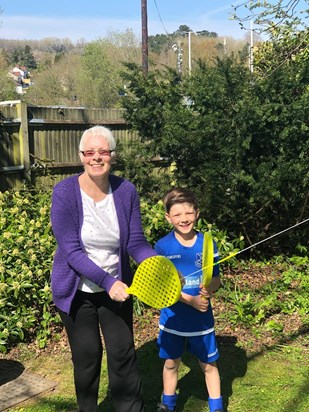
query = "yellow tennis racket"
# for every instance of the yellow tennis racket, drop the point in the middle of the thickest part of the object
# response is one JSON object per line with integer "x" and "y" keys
{"x": 207, "y": 259}
{"x": 156, "y": 282}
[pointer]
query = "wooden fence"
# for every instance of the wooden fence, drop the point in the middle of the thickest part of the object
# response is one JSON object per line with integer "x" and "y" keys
{"x": 40, "y": 144}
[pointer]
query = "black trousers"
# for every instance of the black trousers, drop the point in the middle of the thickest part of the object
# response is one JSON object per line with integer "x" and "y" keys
{"x": 89, "y": 312}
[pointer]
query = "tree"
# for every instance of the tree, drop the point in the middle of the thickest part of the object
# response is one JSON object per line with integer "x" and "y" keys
{"x": 242, "y": 145}
{"x": 159, "y": 41}
{"x": 283, "y": 23}
{"x": 56, "y": 84}
{"x": 207, "y": 33}
{"x": 28, "y": 58}
{"x": 47, "y": 89}
{"x": 270, "y": 55}
{"x": 24, "y": 57}
{"x": 182, "y": 30}
{"x": 98, "y": 82}
{"x": 145, "y": 101}
{"x": 271, "y": 14}
{"x": 7, "y": 83}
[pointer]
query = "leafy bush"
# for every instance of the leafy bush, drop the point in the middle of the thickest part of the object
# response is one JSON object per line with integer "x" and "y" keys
{"x": 151, "y": 178}
{"x": 27, "y": 247}
{"x": 26, "y": 252}
{"x": 154, "y": 223}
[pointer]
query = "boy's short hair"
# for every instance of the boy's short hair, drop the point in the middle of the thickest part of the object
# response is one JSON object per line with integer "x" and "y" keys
{"x": 179, "y": 195}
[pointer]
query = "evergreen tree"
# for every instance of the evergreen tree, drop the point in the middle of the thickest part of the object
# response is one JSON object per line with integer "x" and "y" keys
{"x": 240, "y": 142}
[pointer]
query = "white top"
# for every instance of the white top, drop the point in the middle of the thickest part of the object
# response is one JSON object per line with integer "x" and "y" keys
{"x": 100, "y": 236}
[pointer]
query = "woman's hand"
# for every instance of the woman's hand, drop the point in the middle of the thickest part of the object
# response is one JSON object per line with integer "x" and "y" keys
{"x": 118, "y": 291}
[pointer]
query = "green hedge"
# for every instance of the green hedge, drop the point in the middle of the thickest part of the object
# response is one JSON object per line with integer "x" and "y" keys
{"x": 27, "y": 247}
{"x": 26, "y": 252}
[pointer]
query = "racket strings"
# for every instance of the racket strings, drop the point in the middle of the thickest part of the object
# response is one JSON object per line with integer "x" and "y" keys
{"x": 156, "y": 282}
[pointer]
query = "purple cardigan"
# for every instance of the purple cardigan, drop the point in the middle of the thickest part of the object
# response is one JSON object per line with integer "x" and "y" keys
{"x": 71, "y": 261}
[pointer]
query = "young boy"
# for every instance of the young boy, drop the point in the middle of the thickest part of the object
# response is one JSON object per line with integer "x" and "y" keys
{"x": 190, "y": 320}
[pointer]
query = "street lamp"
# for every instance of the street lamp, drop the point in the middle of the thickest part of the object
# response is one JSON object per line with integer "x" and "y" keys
{"x": 189, "y": 52}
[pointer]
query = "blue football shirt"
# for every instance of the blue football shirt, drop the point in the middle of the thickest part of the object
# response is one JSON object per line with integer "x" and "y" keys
{"x": 180, "y": 318}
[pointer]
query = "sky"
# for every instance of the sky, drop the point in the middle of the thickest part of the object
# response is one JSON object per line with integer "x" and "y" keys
{"x": 93, "y": 19}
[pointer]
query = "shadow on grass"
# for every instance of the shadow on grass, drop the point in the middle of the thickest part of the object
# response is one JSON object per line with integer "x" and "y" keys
{"x": 10, "y": 370}
{"x": 107, "y": 404}
{"x": 232, "y": 364}
{"x": 151, "y": 373}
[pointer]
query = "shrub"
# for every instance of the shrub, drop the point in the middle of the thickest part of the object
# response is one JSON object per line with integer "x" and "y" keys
{"x": 27, "y": 247}
{"x": 26, "y": 252}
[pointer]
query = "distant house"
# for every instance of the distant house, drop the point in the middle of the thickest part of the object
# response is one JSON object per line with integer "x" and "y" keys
{"x": 21, "y": 77}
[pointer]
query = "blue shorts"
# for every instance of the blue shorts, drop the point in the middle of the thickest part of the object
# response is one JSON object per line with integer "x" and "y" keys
{"x": 204, "y": 347}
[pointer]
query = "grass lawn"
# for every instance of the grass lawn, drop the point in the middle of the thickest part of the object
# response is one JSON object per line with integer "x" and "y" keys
{"x": 273, "y": 380}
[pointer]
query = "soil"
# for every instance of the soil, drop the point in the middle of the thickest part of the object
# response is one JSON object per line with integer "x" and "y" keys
{"x": 146, "y": 327}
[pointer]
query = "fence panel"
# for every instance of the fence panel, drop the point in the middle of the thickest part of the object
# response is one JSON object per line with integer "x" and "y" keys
{"x": 12, "y": 149}
{"x": 36, "y": 142}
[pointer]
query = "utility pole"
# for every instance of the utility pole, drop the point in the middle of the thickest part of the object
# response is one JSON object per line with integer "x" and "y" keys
{"x": 144, "y": 37}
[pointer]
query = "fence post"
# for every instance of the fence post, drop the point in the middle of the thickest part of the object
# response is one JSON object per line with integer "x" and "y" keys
{"x": 24, "y": 139}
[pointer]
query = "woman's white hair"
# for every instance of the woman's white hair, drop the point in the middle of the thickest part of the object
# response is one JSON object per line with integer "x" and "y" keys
{"x": 102, "y": 131}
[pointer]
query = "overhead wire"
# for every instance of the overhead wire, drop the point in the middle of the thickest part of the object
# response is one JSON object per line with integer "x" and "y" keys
{"x": 155, "y": 2}
{"x": 233, "y": 254}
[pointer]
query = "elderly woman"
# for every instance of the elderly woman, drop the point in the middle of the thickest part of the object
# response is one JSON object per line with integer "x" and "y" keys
{"x": 97, "y": 224}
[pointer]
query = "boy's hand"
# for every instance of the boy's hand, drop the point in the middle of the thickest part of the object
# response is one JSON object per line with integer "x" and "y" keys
{"x": 200, "y": 303}
{"x": 206, "y": 293}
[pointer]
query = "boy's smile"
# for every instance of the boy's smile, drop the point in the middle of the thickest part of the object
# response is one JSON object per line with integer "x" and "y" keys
{"x": 183, "y": 217}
